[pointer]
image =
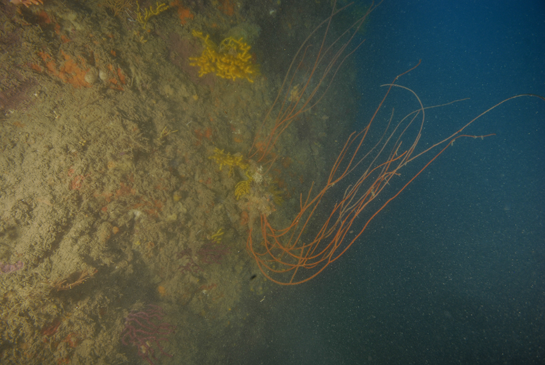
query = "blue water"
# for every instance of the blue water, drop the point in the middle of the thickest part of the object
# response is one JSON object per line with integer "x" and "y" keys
{"x": 453, "y": 270}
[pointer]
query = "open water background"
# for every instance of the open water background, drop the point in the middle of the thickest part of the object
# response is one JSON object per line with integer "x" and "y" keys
{"x": 453, "y": 270}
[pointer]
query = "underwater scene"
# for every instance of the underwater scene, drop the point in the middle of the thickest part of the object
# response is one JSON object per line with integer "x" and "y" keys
{"x": 272, "y": 182}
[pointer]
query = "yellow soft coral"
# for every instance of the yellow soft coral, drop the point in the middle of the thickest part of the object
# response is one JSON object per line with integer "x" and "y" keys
{"x": 218, "y": 236}
{"x": 243, "y": 187}
{"x": 144, "y": 17}
{"x": 227, "y": 159}
{"x": 231, "y": 60}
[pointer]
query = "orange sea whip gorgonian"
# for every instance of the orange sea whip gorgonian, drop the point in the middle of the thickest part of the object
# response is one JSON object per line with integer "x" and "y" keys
{"x": 330, "y": 220}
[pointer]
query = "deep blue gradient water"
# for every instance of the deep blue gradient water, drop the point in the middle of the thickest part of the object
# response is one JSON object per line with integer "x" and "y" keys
{"x": 453, "y": 270}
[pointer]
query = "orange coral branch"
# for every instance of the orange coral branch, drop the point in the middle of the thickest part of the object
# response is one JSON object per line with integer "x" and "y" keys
{"x": 61, "y": 285}
{"x": 27, "y": 3}
{"x": 363, "y": 169}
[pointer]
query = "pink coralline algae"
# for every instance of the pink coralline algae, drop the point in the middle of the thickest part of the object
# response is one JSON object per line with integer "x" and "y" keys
{"x": 8, "y": 268}
{"x": 190, "y": 266}
{"x": 146, "y": 330}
